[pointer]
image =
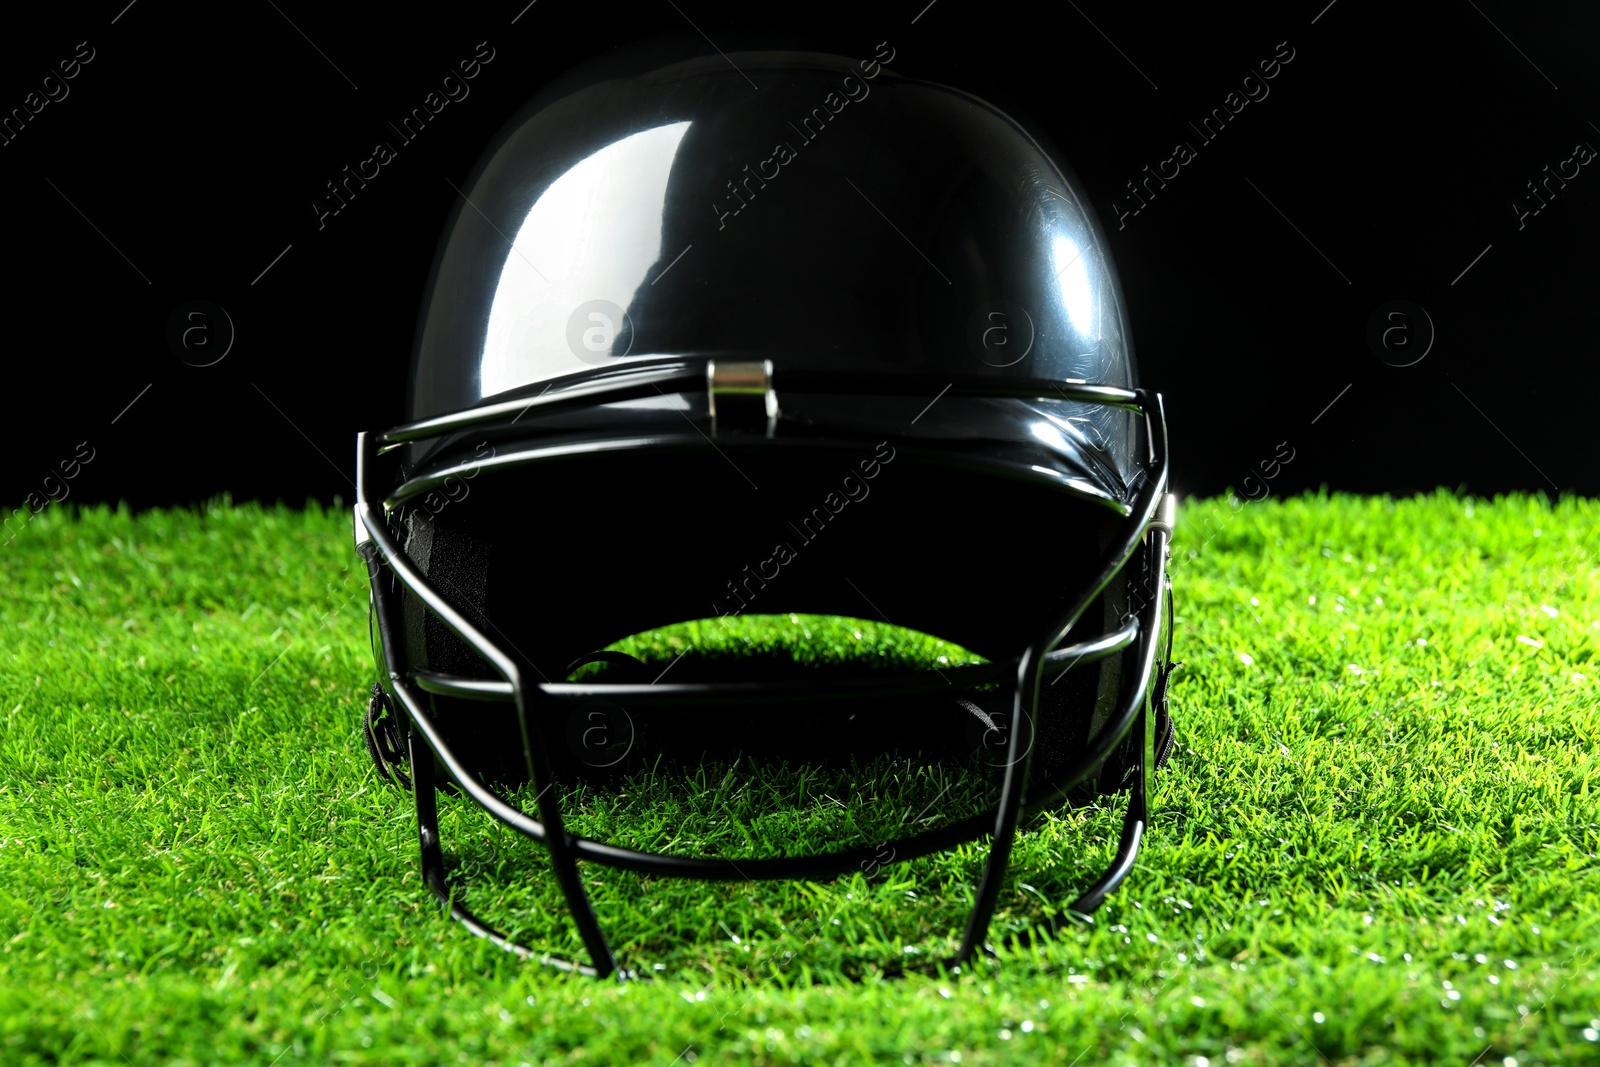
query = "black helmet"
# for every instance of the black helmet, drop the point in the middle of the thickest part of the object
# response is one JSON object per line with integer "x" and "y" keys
{"x": 759, "y": 333}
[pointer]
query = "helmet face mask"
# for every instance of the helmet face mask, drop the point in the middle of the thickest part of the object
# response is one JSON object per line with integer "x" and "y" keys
{"x": 890, "y": 381}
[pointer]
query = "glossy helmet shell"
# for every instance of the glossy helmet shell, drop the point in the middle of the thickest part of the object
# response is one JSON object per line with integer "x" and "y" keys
{"x": 822, "y": 213}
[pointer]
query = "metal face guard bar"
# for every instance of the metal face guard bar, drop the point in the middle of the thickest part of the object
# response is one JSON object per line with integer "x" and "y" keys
{"x": 1148, "y": 521}
{"x": 645, "y": 378}
{"x": 951, "y": 680}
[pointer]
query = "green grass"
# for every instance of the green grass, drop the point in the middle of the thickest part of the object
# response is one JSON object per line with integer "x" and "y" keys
{"x": 1375, "y": 843}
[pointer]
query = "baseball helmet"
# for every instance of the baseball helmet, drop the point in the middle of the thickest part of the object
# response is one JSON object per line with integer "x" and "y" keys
{"x": 712, "y": 336}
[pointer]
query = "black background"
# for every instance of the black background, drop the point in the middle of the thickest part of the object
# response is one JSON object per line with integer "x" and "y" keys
{"x": 1385, "y": 159}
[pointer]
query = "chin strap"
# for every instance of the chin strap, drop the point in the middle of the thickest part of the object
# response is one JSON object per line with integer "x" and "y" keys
{"x": 1166, "y": 733}
{"x": 381, "y": 730}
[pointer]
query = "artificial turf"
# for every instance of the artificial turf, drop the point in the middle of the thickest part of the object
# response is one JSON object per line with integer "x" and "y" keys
{"x": 1375, "y": 843}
